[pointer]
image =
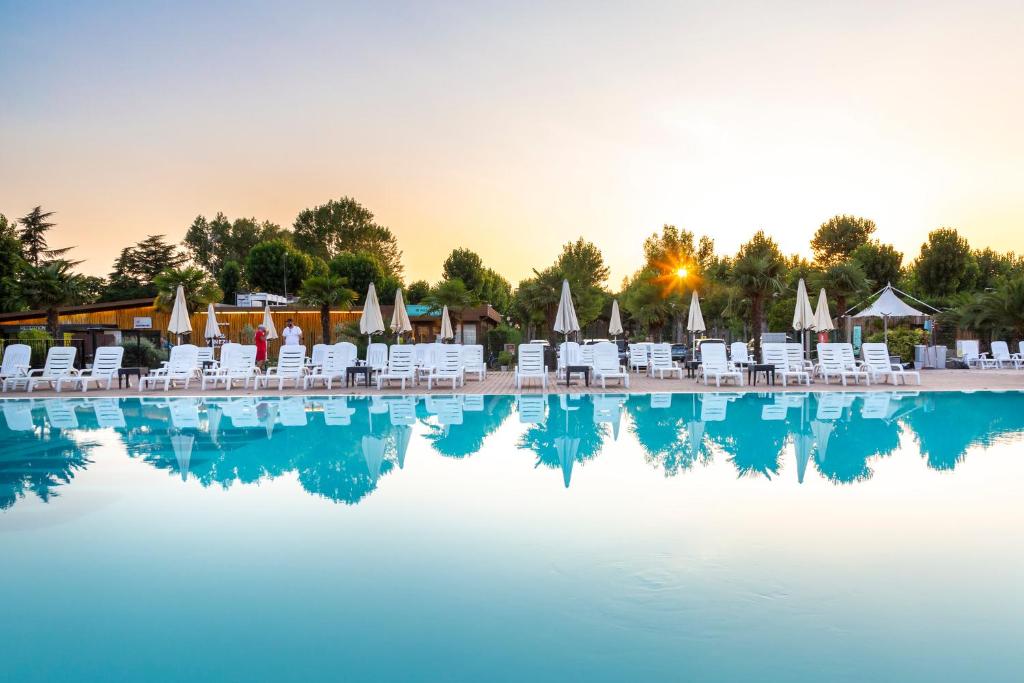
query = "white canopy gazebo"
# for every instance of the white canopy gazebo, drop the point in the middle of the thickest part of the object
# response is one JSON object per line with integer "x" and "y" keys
{"x": 890, "y": 305}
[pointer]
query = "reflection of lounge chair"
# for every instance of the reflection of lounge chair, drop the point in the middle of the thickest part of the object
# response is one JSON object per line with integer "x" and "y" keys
{"x": 403, "y": 411}
{"x": 337, "y": 412}
{"x": 531, "y": 409}
{"x": 473, "y": 403}
{"x": 18, "y": 415}
{"x": 292, "y": 412}
{"x": 713, "y": 406}
{"x": 876, "y": 405}
{"x": 60, "y": 414}
{"x": 184, "y": 413}
{"x": 449, "y": 410}
{"x": 242, "y": 413}
{"x": 830, "y": 405}
{"x": 775, "y": 410}
{"x": 109, "y": 413}
{"x": 608, "y": 410}
{"x": 661, "y": 400}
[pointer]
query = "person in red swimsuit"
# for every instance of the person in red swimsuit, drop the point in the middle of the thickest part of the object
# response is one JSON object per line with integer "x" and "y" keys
{"x": 261, "y": 346}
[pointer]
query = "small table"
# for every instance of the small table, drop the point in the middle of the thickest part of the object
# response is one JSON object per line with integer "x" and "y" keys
{"x": 578, "y": 369}
{"x": 691, "y": 368}
{"x": 350, "y": 374}
{"x": 125, "y": 375}
{"x": 754, "y": 368}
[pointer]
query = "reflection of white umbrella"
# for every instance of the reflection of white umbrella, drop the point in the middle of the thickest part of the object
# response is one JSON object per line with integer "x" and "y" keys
{"x": 821, "y": 431}
{"x": 271, "y": 419}
{"x": 213, "y": 417}
{"x": 179, "y": 323}
{"x": 567, "y": 448}
{"x": 400, "y": 323}
{"x": 403, "y": 434}
{"x": 615, "y": 324}
{"x": 695, "y": 436}
{"x": 565, "y": 317}
{"x": 371, "y": 322}
{"x": 695, "y": 321}
{"x": 802, "y": 444}
{"x": 373, "y": 454}
{"x": 212, "y": 328}
{"x": 822, "y": 316}
{"x": 268, "y": 322}
{"x": 182, "y": 445}
{"x": 446, "y": 325}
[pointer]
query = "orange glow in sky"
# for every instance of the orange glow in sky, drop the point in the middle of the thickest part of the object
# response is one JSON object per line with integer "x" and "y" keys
{"x": 513, "y": 130}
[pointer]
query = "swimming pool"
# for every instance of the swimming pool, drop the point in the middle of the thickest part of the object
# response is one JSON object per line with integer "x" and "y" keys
{"x": 796, "y": 537}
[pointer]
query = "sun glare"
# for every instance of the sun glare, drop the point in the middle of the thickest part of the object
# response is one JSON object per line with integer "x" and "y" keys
{"x": 681, "y": 272}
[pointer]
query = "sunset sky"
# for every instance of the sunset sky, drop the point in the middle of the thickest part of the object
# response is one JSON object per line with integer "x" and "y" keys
{"x": 511, "y": 128}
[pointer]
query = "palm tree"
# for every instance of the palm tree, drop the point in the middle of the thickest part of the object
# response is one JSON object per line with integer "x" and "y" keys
{"x": 844, "y": 280}
{"x": 454, "y": 294}
{"x": 999, "y": 312}
{"x": 200, "y": 288}
{"x": 49, "y": 286}
{"x": 324, "y": 291}
{"x": 758, "y": 272}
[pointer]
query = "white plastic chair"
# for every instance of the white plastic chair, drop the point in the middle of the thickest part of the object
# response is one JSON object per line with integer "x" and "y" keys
{"x": 530, "y": 365}
{"x": 638, "y": 357}
{"x": 17, "y": 361}
{"x": 105, "y": 364}
{"x": 316, "y": 358}
{"x": 473, "y": 361}
{"x": 739, "y": 354}
{"x": 448, "y": 366}
{"x": 377, "y": 357}
{"x": 831, "y": 363}
{"x": 715, "y": 364}
{"x": 877, "y": 364}
{"x": 60, "y": 362}
{"x": 661, "y": 362}
{"x": 1003, "y": 358}
{"x": 587, "y": 355}
{"x": 180, "y": 367}
{"x": 777, "y": 355}
{"x": 206, "y": 357}
{"x": 606, "y": 364}
{"x": 401, "y": 366}
{"x": 568, "y": 354}
{"x": 291, "y": 367}
{"x": 236, "y": 364}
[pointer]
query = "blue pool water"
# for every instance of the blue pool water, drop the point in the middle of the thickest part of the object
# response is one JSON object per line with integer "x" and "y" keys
{"x": 818, "y": 537}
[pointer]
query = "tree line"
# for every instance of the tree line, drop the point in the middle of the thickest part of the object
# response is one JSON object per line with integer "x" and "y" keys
{"x": 332, "y": 252}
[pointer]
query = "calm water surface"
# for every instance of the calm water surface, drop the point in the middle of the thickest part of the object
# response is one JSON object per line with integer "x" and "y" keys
{"x": 822, "y": 537}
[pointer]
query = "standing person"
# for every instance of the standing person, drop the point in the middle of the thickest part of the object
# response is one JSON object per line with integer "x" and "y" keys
{"x": 260, "y": 341}
{"x": 291, "y": 333}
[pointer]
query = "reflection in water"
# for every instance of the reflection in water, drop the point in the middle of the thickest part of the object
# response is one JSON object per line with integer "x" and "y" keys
{"x": 341, "y": 447}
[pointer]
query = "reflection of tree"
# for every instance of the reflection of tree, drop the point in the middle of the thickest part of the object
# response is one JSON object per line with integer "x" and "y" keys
{"x": 577, "y": 422}
{"x": 38, "y": 462}
{"x": 754, "y": 445}
{"x": 853, "y": 442}
{"x": 660, "y": 432}
{"x": 948, "y": 424}
{"x": 460, "y": 441}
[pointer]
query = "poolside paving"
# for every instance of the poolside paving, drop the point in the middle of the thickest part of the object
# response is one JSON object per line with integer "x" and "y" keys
{"x": 503, "y": 383}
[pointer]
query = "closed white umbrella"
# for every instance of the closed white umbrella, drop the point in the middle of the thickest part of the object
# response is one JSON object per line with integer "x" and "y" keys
{"x": 565, "y": 318}
{"x": 268, "y": 323}
{"x": 400, "y": 323}
{"x": 371, "y": 322}
{"x": 803, "y": 315}
{"x": 212, "y": 328}
{"x": 179, "y": 323}
{"x": 446, "y": 325}
{"x": 695, "y": 321}
{"x": 822, "y": 316}
{"x": 615, "y": 324}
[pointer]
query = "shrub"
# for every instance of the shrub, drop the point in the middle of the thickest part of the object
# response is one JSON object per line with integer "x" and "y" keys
{"x": 901, "y": 341}
{"x": 499, "y": 336}
{"x": 505, "y": 359}
{"x": 141, "y": 353}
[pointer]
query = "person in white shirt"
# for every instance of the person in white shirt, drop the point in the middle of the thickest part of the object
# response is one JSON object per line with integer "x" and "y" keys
{"x": 292, "y": 334}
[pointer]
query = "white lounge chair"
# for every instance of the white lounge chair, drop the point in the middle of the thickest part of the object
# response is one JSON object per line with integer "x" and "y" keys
{"x": 105, "y": 364}
{"x": 448, "y": 366}
{"x": 182, "y": 366}
{"x": 60, "y": 362}
{"x": 401, "y": 366}
{"x": 332, "y": 365}
{"x": 236, "y": 365}
{"x": 377, "y": 357}
{"x": 473, "y": 361}
{"x": 851, "y": 362}
{"x": 530, "y": 365}
{"x": 638, "y": 357}
{"x": 1002, "y": 356}
{"x": 17, "y": 361}
{"x": 969, "y": 352}
{"x": 316, "y": 358}
{"x": 739, "y": 354}
{"x": 568, "y": 354}
{"x": 606, "y": 365}
{"x": 291, "y": 367}
{"x": 778, "y": 356}
{"x": 795, "y": 353}
{"x": 877, "y": 364}
{"x": 207, "y": 358}
{"x": 587, "y": 355}
{"x": 661, "y": 362}
{"x": 713, "y": 363}
{"x": 831, "y": 363}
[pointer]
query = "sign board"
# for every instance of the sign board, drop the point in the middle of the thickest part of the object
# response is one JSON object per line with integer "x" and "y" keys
{"x": 511, "y": 348}
{"x": 142, "y": 323}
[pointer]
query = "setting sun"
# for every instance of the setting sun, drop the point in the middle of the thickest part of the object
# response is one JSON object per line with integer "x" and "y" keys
{"x": 681, "y": 272}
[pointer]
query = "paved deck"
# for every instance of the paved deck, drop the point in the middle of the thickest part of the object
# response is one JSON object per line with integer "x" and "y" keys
{"x": 503, "y": 383}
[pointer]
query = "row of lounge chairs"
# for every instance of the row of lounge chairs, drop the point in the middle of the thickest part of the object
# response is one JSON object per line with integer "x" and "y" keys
{"x": 999, "y": 357}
